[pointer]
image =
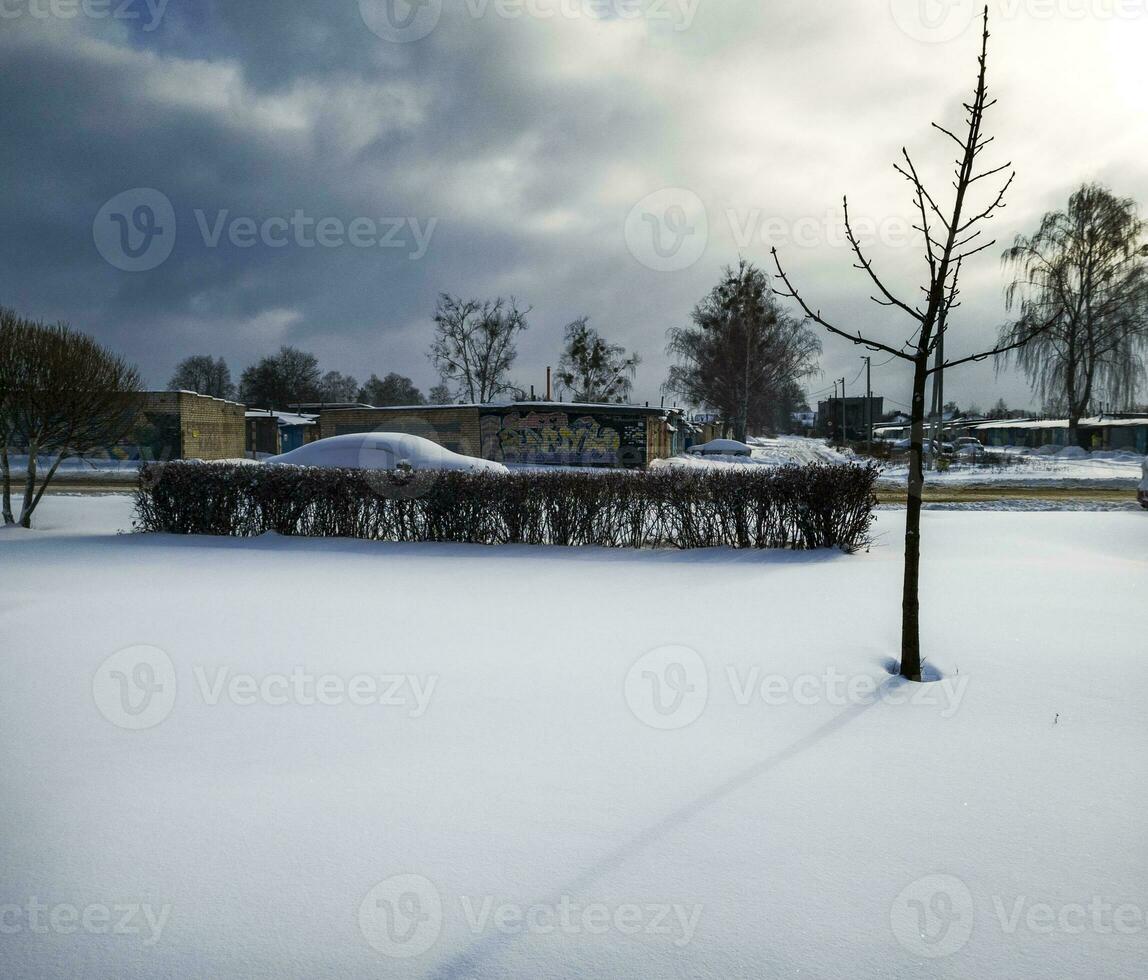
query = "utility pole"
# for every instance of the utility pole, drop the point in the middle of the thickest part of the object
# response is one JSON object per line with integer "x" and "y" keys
{"x": 831, "y": 413}
{"x": 936, "y": 430}
{"x": 869, "y": 402}
{"x": 844, "y": 430}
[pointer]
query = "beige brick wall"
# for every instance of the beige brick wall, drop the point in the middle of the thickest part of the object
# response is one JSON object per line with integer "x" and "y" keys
{"x": 455, "y": 428}
{"x": 211, "y": 428}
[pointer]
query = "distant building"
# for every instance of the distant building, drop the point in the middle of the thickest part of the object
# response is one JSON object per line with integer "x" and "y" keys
{"x": 271, "y": 432}
{"x": 855, "y": 414}
{"x": 185, "y": 425}
{"x": 534, "y": 433}
{"x": 805, "y": 420}
{"x": 1102, "y": 433}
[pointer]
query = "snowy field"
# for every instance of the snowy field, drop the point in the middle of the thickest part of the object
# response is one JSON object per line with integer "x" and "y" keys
{"x": 1067, "y": 470}
{"x": 304, "y": 758}
{"x": 1086, "y": 471}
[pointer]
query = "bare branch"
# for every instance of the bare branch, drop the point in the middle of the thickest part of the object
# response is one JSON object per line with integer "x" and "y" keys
{"x": 1004, "y": 349}
{"x": 868, "y": 267}
{"x": 816, "y": 317}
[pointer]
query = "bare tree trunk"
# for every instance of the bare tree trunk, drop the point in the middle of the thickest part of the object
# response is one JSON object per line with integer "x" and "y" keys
{"x": 28, "y": 510}
{"x": 910, "y": 601}
{"x": 7, "y": 492}
{"x": 29, "y": 487}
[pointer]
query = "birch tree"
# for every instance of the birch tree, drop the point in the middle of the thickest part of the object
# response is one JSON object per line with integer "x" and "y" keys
{"x": 1087, "y": 265}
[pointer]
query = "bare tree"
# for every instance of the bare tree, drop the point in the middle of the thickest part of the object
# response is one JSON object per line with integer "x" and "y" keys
{"x": 440, "y": 394}
{"x": 336, "y": 387}
{"x": 474, "y": 345}
{"x": 204, "y": 375}
{"x": 591, "y": 369}
{"x": 1087, "y": 264}
{"x": 394, "y": 389}
{"x": 61, "y": 395}
{"x": 744, "y": 355}
{"x": 951, "y": 237}
{"x": 282, "y": 380}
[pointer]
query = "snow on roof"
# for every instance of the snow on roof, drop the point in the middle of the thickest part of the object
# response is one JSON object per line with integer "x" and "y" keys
{"x": 1097, "y": 422}
{"x": 530, "y": 405}
{"x": 283, "y": 418}
{"x": 1121, "y": 423}
{"x": 185, "y": 391}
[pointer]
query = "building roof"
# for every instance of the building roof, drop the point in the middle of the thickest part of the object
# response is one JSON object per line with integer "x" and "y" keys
{"x": 184, "y": 391}
{"x": 534, "y": 406}
{"x": 1096, "y": 422}
{"x": 283, "y": 418}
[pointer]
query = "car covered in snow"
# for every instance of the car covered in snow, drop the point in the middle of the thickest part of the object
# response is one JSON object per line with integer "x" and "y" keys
{"x": 1142, "y": 492}
{"x": 969, "y": 447}
{"x": 383, "y": 451}
{"x": 721, "y": 447}
{"x": 939, "y": 448}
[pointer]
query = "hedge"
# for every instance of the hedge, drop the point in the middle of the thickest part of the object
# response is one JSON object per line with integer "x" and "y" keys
{"x": 797, "y": 507}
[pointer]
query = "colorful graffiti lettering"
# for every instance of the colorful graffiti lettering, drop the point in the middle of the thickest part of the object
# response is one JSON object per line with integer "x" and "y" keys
{"x": 550, "y": 438}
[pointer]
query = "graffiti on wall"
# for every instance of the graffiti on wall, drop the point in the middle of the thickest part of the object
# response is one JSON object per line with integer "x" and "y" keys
{"x": 555, "y": 438}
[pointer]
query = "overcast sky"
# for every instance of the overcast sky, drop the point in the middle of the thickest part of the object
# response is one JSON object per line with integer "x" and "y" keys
{"x": 225, "y": 176}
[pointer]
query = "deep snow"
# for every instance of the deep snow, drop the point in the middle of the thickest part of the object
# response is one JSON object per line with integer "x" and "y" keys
{"x": 584, "y": 763}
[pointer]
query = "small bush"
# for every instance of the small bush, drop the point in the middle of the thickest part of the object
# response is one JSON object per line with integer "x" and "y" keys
{"x": 817, "y": 506}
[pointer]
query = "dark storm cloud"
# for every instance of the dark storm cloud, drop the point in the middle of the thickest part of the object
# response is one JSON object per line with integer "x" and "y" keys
{"x": 517, "y": 144}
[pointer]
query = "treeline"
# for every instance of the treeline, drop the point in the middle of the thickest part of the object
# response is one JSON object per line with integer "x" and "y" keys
{"x": 742, "y": 356}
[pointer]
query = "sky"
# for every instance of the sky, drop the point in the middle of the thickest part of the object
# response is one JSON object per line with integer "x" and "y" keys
{"x": 201, "y": 176}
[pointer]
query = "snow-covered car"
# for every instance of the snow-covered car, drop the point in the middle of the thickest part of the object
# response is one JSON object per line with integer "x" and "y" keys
{"x": 1142, "y": 492}
{"x": 383, "y": 451}
{"x": 939, "y": 448}
{"x": 969, "y": 447}
{"x": 721, "y": 447}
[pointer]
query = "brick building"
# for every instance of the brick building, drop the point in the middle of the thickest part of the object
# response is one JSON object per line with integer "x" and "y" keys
{"x": 184, "y": 425}
{"x": 270, "y": 433}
